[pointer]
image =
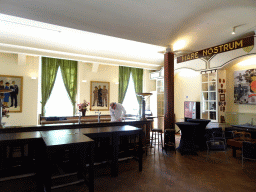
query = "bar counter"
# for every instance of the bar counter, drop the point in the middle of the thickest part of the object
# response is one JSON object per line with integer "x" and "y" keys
{"x": 146, "y": 125}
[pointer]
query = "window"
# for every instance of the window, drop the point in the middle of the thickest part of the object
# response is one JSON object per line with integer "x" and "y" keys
{"x": 59, "y": 103}
{"x": 130, "y": 102}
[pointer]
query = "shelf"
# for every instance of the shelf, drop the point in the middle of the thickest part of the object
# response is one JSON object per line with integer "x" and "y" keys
{"x": 208, "y": 96}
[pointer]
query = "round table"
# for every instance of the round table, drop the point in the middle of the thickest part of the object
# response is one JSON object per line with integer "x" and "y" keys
{"x": 200, "y": 132}
{"x": 187, "y": 140}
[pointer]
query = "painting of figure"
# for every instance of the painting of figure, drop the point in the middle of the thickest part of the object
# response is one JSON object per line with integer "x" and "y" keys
{"x": 12, "y": 100}
{"x": 99, "y": 96}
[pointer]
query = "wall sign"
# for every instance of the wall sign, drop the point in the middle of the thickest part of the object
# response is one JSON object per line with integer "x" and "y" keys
{"x": 217, "y": 49}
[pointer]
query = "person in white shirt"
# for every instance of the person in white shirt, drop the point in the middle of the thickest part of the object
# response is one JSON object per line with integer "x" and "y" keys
{"x": 117, "y": 111}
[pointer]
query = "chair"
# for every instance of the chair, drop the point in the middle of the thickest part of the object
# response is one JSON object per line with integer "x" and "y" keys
{"x": 238, "y": 139}
{"x": 229, "y": 133}
{"x": 215, "y": 134}
{"x": 168, "y": 134}
{"x": 248, "y": 151}
{"x": 217, "y": 143}
{"x": 242, "y": 136}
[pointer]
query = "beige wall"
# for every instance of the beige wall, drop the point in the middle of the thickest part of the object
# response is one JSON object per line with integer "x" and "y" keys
{"x": 106, "y": 73}
{"x": 9, "y": 66}
{"x": 187, "y": 87}
{"x": 232, "y": 108}
{"x": 86, "y": 71}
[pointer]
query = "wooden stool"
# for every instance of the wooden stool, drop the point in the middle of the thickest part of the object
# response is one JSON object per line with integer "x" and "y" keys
{"x": 168, "y": 133}
{"x": 157, "y": 132}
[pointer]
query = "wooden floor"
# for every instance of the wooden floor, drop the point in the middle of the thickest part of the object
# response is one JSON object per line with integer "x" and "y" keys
{"x": 170, "y": 172}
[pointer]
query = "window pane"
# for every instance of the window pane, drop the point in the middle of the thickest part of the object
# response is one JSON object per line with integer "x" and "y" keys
{"x": 130, "y": 102}
{"x": 59, "y": 103}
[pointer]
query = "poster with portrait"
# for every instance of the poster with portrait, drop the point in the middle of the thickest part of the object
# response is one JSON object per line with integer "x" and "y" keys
{"x": 13, "y": 99}
{"x": 99, "y": 96}
{"x": 245, "y": 86}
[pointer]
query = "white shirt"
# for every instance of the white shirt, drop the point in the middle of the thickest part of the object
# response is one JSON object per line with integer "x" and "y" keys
{"x": 118, "y": 113}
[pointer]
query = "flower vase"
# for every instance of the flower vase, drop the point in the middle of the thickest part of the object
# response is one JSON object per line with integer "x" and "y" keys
{"x": 83, "y": 112}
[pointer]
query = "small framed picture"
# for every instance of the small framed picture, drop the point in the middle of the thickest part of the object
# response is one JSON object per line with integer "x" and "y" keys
{"x": 222, "y": 97}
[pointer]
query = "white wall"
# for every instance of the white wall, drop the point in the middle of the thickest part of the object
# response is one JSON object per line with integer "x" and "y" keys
{"x": 9, "y": 66}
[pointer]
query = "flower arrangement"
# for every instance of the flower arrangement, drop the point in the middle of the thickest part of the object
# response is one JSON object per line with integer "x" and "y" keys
{"x": 83, "y": 106}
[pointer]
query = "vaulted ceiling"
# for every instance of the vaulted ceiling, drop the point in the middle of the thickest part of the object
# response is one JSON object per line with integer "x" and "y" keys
{"x": 155, "y": 24}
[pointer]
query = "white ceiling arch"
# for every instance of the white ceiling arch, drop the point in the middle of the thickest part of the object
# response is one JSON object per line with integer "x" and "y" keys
{"x": 200, "y": 23}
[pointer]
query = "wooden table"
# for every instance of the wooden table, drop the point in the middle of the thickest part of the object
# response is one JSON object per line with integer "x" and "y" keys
{"x": 13, "y": 140}
{"x": 115, "y": 133}
{"x": 68, "y": 140}
{"x": 45, "y": 143}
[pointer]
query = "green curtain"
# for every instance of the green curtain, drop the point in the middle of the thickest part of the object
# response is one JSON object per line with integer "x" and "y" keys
{"x": 124, "y": 75}
{"x": 69, "y": 75}
{"x": 49, "y": 72}
{"x": 137, "y": 75}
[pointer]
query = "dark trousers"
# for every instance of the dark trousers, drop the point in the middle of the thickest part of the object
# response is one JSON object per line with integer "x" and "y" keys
{"x": 14, "y": 97}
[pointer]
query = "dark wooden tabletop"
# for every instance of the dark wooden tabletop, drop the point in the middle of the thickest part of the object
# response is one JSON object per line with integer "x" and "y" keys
{"x": 112, "y": 129}
{"x": 186, "y": 124}
{"x": 20, "y": 136}
{"x": 64, "y": 137}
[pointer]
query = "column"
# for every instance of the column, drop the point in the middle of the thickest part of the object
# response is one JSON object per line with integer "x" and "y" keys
{"x": 169, "y": 117}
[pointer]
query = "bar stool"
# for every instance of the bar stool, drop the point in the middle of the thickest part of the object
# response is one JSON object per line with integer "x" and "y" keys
{"x": 157, "y": 132}
{"x": 168, "y": 143}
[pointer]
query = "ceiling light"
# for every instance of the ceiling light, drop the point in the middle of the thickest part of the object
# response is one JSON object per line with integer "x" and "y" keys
{"x": 234, "y": 28}
{"x": 233, "y": 32}
{"x": 179, "y": 45}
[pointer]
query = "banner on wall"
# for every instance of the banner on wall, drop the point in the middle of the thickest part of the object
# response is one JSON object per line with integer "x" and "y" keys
{"x": 245, "y": 87}
{"x": 242, "y": 43}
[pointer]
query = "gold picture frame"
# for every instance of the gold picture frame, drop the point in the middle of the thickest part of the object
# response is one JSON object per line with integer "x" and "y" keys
{"x": 12, "y": 100}
{"x": 99, "y": 96}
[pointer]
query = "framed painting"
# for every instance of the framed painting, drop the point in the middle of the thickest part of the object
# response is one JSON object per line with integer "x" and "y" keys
{"x": 12, "y": 100}
{"x": 99, "y": 96}
{"x": 245, "y": 87}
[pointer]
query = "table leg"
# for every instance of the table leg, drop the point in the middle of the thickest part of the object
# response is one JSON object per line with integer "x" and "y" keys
{"x": 48, "y": 171}
{"x": 91, "y": 168}
{"x": 114, "y": 163}
{"x": 234, "y": 151}
{"x": 140, "y": 151}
